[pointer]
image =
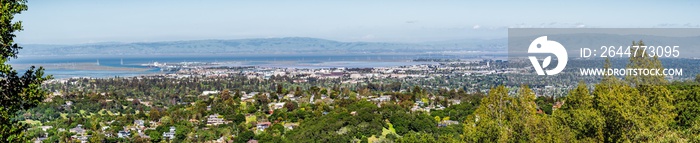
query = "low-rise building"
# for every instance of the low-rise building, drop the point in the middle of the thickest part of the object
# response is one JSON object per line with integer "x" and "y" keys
{"x": 210, "y": 92}
{"x": 171, "y": 134}
{"x": 263, "y": 125}
{"x": 290, "y": 126}
{"x": 78, "y": 130}
{"x": 214, "y": 120}
{"x": 275, "y": 106}
{"x": 123, "y": 134}
{"x": 139, "y": 123}
{"x": 447, "y": 123}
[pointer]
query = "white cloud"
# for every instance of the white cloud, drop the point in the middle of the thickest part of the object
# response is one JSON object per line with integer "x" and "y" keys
{"x": 549, "y": 25}
{"x": 476, "y": 27}
{"x": 676, "y": 25}
{"x": 368, "y": 37}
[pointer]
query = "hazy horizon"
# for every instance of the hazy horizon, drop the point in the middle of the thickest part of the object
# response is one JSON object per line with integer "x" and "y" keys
{"x": 80, "y": 21}
{"x": 223, "y": 39}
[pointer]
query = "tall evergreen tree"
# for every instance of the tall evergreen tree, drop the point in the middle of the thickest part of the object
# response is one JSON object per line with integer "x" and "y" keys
{"x": 655, "y": 97}
{"x": 641, "y": 59}
{"x": 638, "y": 109}
{"x": 489, "y": 121}
{"x": 578, "y": 115}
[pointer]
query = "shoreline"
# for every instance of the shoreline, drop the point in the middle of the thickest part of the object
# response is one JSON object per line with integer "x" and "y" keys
{"x": 81, "y": 66}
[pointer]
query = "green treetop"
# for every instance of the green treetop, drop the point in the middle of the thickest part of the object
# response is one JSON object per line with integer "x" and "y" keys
{"x": 17, "y": 92}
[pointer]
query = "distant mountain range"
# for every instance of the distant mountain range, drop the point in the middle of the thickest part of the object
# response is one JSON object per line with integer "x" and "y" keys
{"x": 301, "y": 45}
{"x": 290, "y": 45}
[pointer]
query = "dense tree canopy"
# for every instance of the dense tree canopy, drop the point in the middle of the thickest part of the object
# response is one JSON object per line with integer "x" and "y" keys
{"x": 17, "y": 92}
{"x": 643, "y": 108}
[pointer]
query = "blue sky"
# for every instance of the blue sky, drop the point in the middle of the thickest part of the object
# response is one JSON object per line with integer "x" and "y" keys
{"x": 90, "y": 21}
